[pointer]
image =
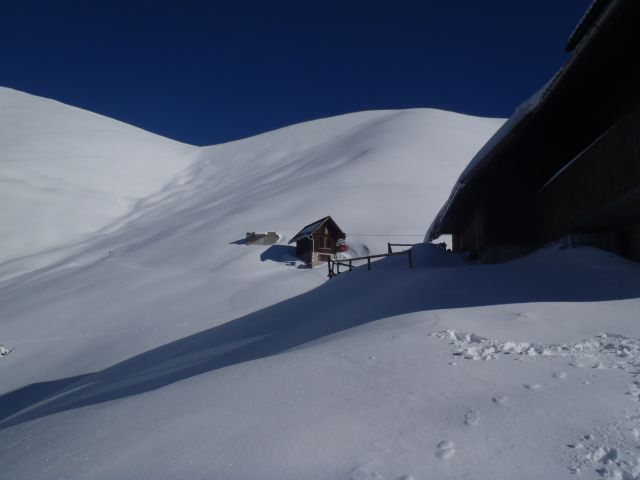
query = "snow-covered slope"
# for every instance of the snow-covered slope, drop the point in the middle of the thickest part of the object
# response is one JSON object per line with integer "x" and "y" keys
{"x": 157, "y": 345}
{"x": 174, "y": 258}
{"x": 67, "y": 174}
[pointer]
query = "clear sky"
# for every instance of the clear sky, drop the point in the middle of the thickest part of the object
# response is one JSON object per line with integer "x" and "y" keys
{"x": 205, "y": 72}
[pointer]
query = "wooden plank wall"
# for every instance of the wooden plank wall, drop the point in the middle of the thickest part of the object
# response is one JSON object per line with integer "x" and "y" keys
{"x": 605, "y": 170}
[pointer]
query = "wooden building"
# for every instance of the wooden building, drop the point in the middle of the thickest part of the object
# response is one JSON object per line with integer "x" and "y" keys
{"x": 318, "y": 241}
{"x": 566, "y": 166}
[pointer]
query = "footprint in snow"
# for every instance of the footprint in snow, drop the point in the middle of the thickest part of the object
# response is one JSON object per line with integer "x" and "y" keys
{"x": 500, "y": 399}
{"x": 471, "y": 417}
{"x": 559, "y": 375}
{"x": 604, "y": 455}
{"x": 445, "y": 450}
{"x": 363, "y": 475}
{"x": 365, "y": 472}
{"x": 532, "y": 386}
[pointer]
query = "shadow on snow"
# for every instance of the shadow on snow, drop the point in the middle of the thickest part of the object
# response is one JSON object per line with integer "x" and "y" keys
{"x": 439, "y": 281}
{"x": 279, "y": 253}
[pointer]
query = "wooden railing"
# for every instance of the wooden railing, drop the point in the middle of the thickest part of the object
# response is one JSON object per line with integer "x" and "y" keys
{"x": 390, "y": 250}
{"x": 333, "y": 265}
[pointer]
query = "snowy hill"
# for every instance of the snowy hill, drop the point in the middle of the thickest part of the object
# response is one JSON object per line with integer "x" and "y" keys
{"x": 67, "y": 174}
{"x": 146, "y": 341}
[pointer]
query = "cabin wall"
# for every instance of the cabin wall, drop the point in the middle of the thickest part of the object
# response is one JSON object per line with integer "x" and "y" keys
{"x": 304, "y": 249}
{"x": 606, "y": 170}
{"x": 472, "y": 237}
{"x": 324, "y": 245}
{"x": 631, "y": 242}
{"x": 325, "y": 241}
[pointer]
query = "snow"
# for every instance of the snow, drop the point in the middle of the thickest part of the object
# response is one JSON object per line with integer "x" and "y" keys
{"x": 67, "y": 174}
{"x": 156, "y": 345}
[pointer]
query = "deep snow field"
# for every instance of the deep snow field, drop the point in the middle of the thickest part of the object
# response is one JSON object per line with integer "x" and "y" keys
{"x": 143, "y": 339}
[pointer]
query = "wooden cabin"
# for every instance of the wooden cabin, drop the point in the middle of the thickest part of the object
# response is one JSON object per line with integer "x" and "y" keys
{"x": 565, "y": 168}
{"x": 319, "y": 241}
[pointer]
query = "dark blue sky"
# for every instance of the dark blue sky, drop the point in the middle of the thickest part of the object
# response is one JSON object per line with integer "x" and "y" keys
{"x": 205, "y": 72}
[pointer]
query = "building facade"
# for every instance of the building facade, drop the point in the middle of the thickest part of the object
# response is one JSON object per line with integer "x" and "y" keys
{"x": 567, "y": 163}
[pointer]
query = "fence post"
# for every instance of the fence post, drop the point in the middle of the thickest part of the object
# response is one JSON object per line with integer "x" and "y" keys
{"x": 329, "y": 267}
{"x": 388, "y": 247}
{"x": 410, "y": 259}
{"x": 350, "y": 266}
{"x": 369, "y": 263}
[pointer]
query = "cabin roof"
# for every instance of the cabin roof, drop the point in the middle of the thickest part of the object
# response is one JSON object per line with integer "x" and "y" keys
{"x": 312, "y": 227}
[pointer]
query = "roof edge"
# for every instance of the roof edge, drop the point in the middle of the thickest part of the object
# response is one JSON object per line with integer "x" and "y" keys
{"x": 318, "y": 223}
{"x": 585, "y": 24}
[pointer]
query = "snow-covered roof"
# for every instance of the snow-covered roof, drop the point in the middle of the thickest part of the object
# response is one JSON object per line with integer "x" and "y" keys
{"x": 309, "y": 229}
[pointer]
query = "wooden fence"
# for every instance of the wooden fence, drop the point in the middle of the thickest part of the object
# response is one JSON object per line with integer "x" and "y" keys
{"x": 333, "y": 265}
